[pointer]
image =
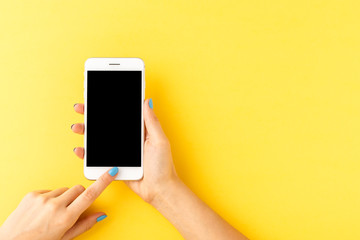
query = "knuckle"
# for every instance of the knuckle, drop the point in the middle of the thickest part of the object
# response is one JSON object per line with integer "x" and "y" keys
{"x": 30, "y": 195}
{"x": 105, "y": 179}
{"x": 90, "y": 194}
{"x": 88, "y": 226}
{"x": 79, "y": 188}
{"x": 155, "y": 118}
{"x": 41, "y": 199}
{"x": 67, "y": 218}
{"x": 163, "y": 142}
{"x": 52, "y": 205}
{"x": 61, "y": 221}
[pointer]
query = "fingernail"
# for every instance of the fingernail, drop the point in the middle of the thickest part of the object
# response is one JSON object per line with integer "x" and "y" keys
{"x": 101, "y": 218}
{"x": 113, "y": 171}
{"x": 74, "y": 149}
{"x": 75, "y": 104}
{"x": 72, "y": 126}
{"x": 151, "y": 103}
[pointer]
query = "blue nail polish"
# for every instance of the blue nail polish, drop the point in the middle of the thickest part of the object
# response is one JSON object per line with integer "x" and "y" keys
{"x": 101, "y": 218}
{"x": 151, "y": 103}
{"x": 113, "y": 171}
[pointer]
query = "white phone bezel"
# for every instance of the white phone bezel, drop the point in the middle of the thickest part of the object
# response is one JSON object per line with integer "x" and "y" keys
{"x": 114, "y": 64}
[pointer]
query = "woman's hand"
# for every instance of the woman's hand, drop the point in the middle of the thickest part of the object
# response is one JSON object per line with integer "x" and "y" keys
{"x": 162, "y": 188}
{"x": 56, "y": 214}
{"x": 159, "y": 171}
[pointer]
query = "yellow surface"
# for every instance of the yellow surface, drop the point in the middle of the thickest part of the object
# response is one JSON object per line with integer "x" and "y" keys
{"x": 260, "y": 100}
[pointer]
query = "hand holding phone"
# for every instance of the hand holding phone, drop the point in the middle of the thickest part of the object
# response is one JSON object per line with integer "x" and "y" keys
{"x": 162, "y": 188}
{"x": 159, "y": 170}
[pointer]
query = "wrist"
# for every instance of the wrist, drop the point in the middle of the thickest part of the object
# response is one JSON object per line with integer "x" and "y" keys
{"x": 164, "y": 192}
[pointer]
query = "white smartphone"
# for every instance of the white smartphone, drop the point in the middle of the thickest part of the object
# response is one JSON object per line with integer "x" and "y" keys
{"x": 114, "y": 123}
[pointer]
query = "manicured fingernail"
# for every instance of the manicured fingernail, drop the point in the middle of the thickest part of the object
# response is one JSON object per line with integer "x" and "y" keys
{"x": 74, "y": 149}
{"x": 75, "y": 104}
{"x": 113, "y": 171}
{"x": 151, "y": 103}
{"x": 72, "y": 126}
{"x": 101, "y": 218}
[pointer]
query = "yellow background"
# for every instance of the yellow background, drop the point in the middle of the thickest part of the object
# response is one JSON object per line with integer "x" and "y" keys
{"x": 260, "y": 100}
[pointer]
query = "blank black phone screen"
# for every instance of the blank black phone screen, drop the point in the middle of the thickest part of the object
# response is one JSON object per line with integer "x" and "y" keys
{"x": 114, "y": 101}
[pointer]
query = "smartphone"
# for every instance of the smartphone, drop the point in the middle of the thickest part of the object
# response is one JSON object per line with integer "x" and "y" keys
{"x": 114, "y": 90}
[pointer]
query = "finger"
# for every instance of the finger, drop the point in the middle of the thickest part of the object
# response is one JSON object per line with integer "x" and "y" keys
{"x": 56, "y": 192}
{"x": 83, "y": 225}
{"x": 41, "y": 191}
{"x": 80, "y": 204}
{"x": 146, "y": 134}
{"x": 78, "y": 128}
{"x": 70, "y": 195}
{"x": 79, "y": 151}
{"x": 152, "y": 123}
{"x": 79, "y": 108}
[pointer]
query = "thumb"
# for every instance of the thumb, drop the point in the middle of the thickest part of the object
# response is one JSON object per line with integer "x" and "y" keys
{"x": 152, "y": 123}
{"x": 83, "y": 225}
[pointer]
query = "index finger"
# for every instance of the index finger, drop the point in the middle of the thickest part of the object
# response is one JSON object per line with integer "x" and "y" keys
{"x": 85, "y": 199}
{"x": 79, "y": 108}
